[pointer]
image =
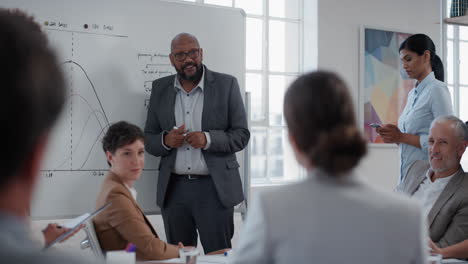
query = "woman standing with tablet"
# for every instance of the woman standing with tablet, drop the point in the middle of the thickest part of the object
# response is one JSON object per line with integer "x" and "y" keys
{"x": 330, "y": 217}
{"x": 428, "y": 100}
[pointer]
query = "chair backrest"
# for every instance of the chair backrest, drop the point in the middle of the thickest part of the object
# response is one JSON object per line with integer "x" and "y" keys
{"x": 92, "y": 239}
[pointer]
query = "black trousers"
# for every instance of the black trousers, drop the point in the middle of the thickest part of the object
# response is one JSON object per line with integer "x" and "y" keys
{"x": 191, "y": 205}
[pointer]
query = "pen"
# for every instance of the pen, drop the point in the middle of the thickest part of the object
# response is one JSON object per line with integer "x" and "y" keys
{"x": 57, "y": 226}
{"x": 184, "y": 134}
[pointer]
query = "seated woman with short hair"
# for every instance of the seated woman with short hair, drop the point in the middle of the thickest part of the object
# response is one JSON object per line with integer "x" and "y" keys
{"x": 123, "y": 221}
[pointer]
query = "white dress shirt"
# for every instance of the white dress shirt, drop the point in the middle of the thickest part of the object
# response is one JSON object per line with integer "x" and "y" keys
{"x": 132, "y": 191}
{"x": 188, "y": 110}
{"x": 428, "y": 191}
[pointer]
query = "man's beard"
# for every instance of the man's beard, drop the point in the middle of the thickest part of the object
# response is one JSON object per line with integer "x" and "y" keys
{"x": 448, "y": 164}
{"x": 195, "y": 77}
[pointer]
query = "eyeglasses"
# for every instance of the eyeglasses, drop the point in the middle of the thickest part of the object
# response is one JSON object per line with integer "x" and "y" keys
{"x": 181, "y": 56}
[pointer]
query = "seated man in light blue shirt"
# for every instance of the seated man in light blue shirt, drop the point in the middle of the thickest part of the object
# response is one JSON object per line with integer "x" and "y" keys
{"x": 441, "y": 185}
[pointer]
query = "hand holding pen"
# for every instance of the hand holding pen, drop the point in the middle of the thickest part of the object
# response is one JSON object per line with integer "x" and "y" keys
{"x": 175, "y": 138}
{"x": 52, "y": 231}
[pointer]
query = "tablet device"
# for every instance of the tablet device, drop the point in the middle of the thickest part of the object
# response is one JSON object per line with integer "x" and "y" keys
{"x": 73, "y": 229}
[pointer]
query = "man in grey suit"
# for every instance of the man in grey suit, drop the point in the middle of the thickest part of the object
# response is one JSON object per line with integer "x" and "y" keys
{"x": 442, "y": 185}
{"x": 196, "y": 123}
{"x": 33, "y": 96}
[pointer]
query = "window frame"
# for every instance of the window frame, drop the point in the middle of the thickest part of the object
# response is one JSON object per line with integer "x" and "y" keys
{"x": 264, "y": 71}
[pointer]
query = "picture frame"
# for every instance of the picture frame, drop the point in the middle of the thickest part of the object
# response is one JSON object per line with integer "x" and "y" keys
{"x": 383, "y": 83}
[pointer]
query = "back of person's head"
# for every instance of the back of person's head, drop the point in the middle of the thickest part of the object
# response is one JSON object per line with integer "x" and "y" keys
{"x": 419, "y": 43}
{"x": 121, "y": 134}
{"x": 320, "y": 116}
{"x": 33, "y": 90}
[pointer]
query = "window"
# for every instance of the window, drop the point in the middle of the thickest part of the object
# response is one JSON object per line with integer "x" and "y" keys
{"x": 456, "y": 65}
{"x": 274, "y": 34}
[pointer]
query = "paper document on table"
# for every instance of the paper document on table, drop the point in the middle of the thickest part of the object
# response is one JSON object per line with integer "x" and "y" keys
{"x": 73, "y": 222}
{"x": 220, "y": 258}
{"x": 77, "y": 225}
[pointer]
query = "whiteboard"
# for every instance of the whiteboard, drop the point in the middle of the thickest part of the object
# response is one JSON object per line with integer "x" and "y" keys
{"x": 110, "y": 52}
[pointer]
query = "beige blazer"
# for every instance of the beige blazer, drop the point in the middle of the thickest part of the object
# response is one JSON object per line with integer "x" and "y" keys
{"x": 448, "y": 217}
{"x": 125, "y": 222}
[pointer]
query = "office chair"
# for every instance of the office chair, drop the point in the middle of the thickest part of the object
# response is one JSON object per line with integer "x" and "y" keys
{"x": 91, "y": 240}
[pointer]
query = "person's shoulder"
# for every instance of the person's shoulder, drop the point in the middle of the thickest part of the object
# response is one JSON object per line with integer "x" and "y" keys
{"x": 460, "y": 195}
{"x": 438, "y": 86}
{"x": 464, "y": 183}
{"x": 111, "y": 187}
{"x": 116, "y": 188}
{"x": 111, "y": 181}
{"x": 396, "y": 200}
{"x": 164, "y": 81}
{"x": 418, "y": 166}
{"x": 385, "y": 204}
{"x": 219, "y": 76}
{"x": 285, "y": 195}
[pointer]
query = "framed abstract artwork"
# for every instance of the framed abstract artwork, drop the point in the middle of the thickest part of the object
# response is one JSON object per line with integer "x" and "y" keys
{"x": 384, "y": 85}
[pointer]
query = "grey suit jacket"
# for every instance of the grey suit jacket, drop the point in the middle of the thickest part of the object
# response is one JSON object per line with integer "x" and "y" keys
{"x": 448, "y": 218}
{"x": 328, "y": 220}
{"x": 223, "y": 117}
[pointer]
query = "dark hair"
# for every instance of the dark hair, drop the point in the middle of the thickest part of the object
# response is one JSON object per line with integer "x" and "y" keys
{"x": 120, "y": 134}
{"x": 320, "y": 116}
{"x": 33, "y": 89}
{"x": 419, "y": 43}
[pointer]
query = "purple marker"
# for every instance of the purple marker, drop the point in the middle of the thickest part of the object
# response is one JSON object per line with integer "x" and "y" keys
{"x": 130, "y": 247}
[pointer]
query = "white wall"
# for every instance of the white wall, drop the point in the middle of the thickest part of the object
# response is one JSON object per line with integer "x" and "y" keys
{"x": 339, "y": 23}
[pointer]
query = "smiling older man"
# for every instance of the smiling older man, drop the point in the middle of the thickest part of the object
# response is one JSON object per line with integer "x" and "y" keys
{"x": 442, "y": 185}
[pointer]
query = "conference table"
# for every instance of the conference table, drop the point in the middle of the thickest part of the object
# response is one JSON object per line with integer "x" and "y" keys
{"x": 221, "y": 259}
{"x": 203, "y": 259}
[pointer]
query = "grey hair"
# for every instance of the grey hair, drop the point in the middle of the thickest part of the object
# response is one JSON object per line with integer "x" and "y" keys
{"x": 461, "y": 129}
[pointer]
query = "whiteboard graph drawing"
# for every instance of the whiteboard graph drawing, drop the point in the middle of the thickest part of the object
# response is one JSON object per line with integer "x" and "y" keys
{"x": 94, "y": 100}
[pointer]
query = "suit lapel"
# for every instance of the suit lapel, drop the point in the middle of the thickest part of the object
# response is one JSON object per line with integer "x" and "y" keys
{"x": 445, "y": 195}
{"x": 414, "y": 185}
{"x": 167, "y": 106}
{"x": 146, "y": 220}
{"x": 208, "y": 97}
